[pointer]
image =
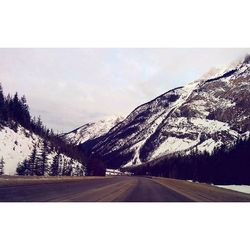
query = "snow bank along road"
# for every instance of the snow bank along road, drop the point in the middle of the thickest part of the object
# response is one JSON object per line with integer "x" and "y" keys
{"x": 93, "y": 189}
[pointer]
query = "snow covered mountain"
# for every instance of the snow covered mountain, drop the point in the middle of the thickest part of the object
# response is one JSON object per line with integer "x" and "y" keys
{"x": 203, "y": 115}
{"x": 92, "y": 130}
{"x": 17, "y": 145}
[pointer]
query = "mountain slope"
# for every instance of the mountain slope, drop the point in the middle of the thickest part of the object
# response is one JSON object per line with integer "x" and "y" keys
{"x": 202, "y": 115}
{"x": 92, "y": 130}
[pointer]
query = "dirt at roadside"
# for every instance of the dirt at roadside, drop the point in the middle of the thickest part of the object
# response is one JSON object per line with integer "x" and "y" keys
{"x": 6, "y": 180}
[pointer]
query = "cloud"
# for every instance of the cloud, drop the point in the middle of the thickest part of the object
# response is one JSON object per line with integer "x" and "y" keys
{"x": 69, "y": 87}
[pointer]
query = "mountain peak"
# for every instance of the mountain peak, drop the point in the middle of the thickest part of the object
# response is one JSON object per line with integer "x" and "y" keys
{"x": 247, "y": 59}
{"x": 92, "y": 130}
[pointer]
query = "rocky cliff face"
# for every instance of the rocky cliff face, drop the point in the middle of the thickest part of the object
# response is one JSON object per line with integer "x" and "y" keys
{"x": 201, "y": 116}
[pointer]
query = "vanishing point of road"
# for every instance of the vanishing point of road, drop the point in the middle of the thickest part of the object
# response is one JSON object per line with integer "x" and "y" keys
{"x": 109, "y": 189}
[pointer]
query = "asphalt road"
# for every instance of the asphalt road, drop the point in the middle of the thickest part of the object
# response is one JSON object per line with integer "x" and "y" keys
{"x": 106, "y": 189}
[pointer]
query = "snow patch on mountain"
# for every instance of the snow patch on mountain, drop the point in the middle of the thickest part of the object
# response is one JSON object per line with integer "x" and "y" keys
{"x": 208, "y": 146}
{"x": 92, "y": 130}
{"x": 136, "y": 159}
{"x": 209, "y": 125}
{"x": 173, "y": 145}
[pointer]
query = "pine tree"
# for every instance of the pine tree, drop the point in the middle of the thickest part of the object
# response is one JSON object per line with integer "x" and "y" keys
{"x": 54, "y": 169}
{"x": 25, "y": 115}
{"x": 2, "y": 166}
{"x": 15, "y": 107}
{"x": 23, "y": 168}
{"x": 2, "y": 105}
{"x": 39, "y": 125}
{"x": 33, "y": 161}
{"x": 78, "y": 170}
{"x": 68, "y": 167}
{"x": 42, "y": 160}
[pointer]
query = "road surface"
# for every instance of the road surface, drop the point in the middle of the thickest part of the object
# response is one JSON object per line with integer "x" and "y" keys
{"x": 106, "y": 189}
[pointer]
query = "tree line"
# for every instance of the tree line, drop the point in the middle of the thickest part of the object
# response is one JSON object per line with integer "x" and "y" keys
{"x": 223, "y": 166}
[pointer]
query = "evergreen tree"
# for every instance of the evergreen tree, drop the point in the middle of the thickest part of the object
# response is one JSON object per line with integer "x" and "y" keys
{"x": 33, "y": 161}
{"x": 15, "y": 107}
{"x": 2, "y": 166}
{"x": 79, "y": 170}
{"x": 2, "y": 105}
{"x": 67, "y": 167}
{"x": 7, "y": 107}
{"x": 25, "y": 115}
{"x": 39, "y": 125}
{"x": 54, "y": 169}
{"x": 23, "y": 168}
{"x": 42, "y": 160}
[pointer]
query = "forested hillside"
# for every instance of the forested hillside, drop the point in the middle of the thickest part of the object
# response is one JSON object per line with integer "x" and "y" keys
{"x": 223, "y": 166}
{"x": 28, "y": 147}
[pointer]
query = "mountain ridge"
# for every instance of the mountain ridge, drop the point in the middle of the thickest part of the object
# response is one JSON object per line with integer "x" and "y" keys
{"x": 203, "y": 114}
{"x": 92, "y": 130}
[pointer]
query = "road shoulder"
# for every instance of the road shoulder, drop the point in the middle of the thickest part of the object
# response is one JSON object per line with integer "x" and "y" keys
{"x": 202, "y": 192}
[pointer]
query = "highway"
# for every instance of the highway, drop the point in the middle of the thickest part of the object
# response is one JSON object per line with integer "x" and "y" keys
{"x": 112, "y": 189}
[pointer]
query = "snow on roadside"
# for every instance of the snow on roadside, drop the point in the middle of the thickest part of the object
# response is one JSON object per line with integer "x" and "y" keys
{"x": 239, "y": 188}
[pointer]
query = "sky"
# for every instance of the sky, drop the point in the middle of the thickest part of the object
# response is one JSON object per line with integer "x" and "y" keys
{"x": 70, "y": 87}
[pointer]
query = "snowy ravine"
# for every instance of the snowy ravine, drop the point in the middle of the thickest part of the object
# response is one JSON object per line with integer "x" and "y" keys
{"x": 201, "y": 116}
{"x": 17, "y": 146}
{"x": 92, "y": 130}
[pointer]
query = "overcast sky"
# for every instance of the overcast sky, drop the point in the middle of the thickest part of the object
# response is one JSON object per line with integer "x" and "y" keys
{"x": 70, "y": 87}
